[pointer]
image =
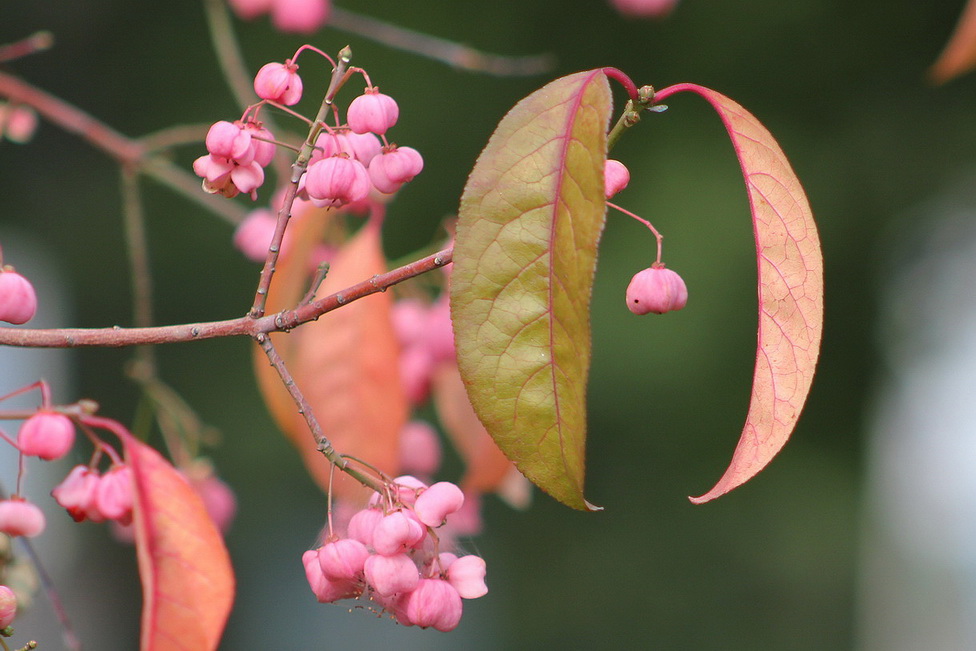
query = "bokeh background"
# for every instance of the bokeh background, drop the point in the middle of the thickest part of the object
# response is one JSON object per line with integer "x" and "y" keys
{"x": 781, "y": 563}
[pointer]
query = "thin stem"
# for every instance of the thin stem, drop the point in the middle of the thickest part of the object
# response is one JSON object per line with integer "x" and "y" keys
{"x": 134, "y": 221}
{"x": 115, "y": 337}
{"x": 323, "y": 444}
{"x": 657, "y": 235}
{"x": 228, "y": 52}
{"x": 439, "y": 49}
{"x": 36, "y": 42}
{"x": 631, "y": 114}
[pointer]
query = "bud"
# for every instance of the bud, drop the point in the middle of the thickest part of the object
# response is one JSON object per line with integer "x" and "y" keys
{"x": 372, "y": 112}
{"x": 18, "y": 300}
{"x": 657, "y": 290}
{"x": 47, "y": 435}
{"x": 279, "y": 82}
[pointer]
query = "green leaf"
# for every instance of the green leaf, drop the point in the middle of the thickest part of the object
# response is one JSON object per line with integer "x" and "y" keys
{"x": 530, "y": 219}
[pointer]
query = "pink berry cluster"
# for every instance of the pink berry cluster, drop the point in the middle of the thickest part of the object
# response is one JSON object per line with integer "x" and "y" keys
{"x": 239, "y": 152}
{"x": 426, "y": 340}
{"x": 87, "y": 495}
{"x": 293, "y": 16}
{"x": 392, "y": 556}
{"x": 655, "y": 289}
{"x": 18, "y": 300}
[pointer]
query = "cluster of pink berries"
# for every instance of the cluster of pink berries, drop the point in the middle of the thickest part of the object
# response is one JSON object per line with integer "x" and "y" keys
{"x": 655, "y": 289}
{"x": 391, "y": 556}
{"x": 18, "y": 300}
{"x": 86, "y": 495}
{"x": 239, "y": 152}
{"x": 293, "y": 16}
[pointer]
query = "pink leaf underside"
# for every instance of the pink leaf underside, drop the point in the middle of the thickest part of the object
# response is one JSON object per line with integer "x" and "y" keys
{"x": 529, "y": 223}
{"x": 790, "y": 287}
{"x": 187, "y": 579}
{"x": 959, "y": 55}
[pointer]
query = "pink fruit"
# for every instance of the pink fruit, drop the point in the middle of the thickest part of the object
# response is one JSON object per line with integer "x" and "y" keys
{"x": 20, "y": 518}
{"x": 616, "y": 176}
{"x": 8, "y": 606}
{"x": 47, "y": 435}
{"x": 18, "y": 300}
{"x": 372, "y": 112}
{"x": 279, "y": 82}
{"x": 657, "y": 290}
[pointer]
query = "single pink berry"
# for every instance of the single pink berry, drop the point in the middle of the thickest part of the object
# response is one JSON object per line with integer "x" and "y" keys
{"x": 388, "y": 575}
{"x": 20, "y": 518}
{"x": 18, "y": 300}
{"x": 390, "y": 170}
{"x": 47, "y": 435}
{"x": 19, "y": 124}
{"x": 467, "y": 575}
{"x": 657, "y": 290}
{"x": 8, "y": 606}
{"x": 406, "y": 488}
{"x": 114, "y": 497}
{"x": 363, "y": 524}
{"x": 435, "y": 603}
{"x": 279, "y": 82}
{"x": 78, "y": 493}
{"x": 300, "y": 16}
{"x": 336, "y": 181}
{"x": 326, "y": 591}
{"x": 644, "y": 8}
{"x": 229, "y": 140}
{"x": 250, "y": 9}
{"x": 262, "y": 146}
{"x": 361, "y": 146}
{"x": 437, "y": 502}
{"x": 372, "y": 112}
{"x": 396, "y": 533}
{"x": 253, "y": 235}
{"x": 420, "y": 448}
{"x": 218, "y": 499}
{"x": 343, "y": 559}
{"x": 616, "y": 176}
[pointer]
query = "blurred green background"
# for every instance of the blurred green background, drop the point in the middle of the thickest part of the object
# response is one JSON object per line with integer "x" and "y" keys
{"x": 772, "y": 565}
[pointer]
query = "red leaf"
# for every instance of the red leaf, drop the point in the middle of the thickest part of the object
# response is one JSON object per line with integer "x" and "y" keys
{"x": 187, "y": 580}
{"x": 790, "y": 291}
{"x": 959, "y": 55}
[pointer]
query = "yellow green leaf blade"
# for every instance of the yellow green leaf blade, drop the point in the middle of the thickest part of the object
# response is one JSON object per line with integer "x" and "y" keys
{"x": 530, "y": 220}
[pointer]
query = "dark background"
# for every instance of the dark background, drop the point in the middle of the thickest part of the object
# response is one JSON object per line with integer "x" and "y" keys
{"x": 772, "y": 565}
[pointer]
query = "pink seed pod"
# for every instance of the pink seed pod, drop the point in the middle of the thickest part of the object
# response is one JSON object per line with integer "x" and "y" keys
{"x": 644, "y": 8}
{"x": 8, "y": 606}
{"x": 435, "y": 603}
{"x": 279, "y": 82}
{"x": 437, "y": 502}
{"x": 420, "y": 448}
{"x": 388, "y": 575}
{"x": 390, "y": 170}
{"x": 114, "y": 496}
{"x": 78, "y": 492}
{"x": 410, "y": 321}
{"x": 336, "y": 181}
{"x": 20, "y": 518}
{"x": 262, "y": 150}
{"x": 616, "y": 176}
{"x": 363, "y": 524}
{"x": 657, "y": 290}
{"x": 47, "y": 435}
{"x": 440, "y": 331}
{"x": 18, "y": 124}
{"x": 343, "y": 559}
{"x": 250, "y": 9}
{"x": 396, "y": 533}
{"x": 361, "y": 146}
{"x": 254, "y": 234}
{"x": 218, "y": 499}
{"x": 18, "y": 300}
{"x": 467, "y": 575}
{"x": 406, "y": 488}
{"x": 230, "y": 141}
{"x": 372, "y": 112}
{"x": 326, "y": 591}
{"x": 300, "y": 16}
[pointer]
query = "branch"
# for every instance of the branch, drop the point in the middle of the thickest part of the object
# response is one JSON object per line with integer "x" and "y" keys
{"x": 117, "y": 337}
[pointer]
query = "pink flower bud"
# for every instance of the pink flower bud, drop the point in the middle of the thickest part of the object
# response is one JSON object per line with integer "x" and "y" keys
{"x": 657, "y": 290}
{"x": 437, "y": 502}
{"x": 420, "y": 448}
{"x": 391, "y": 169}
{"x": 8, "y": 606}
{"x": 300, "y": 16}
{"x": 616, "y": 176}
{"x": 228, "y": 140}
{"x": 20, "y": 518}
{"x": 372, "y": 112}
{"x": 78, "y": 493}
{"x": 363, "y": 524}
{"x": 644, "y": 8}
{"x": 343, "y": 560}
{"x": 47, "y": 435}
{"x": 335, "y": 181}
{"x": 18, "y": 301}
{"x": 467, "y": 575}
{"x": 114, "y": 497}
{"x": 326, "y": 591}
{"x": 279, "y": 82}
{"x": 396, "y": 533}
{"x": 388, "y": 575}
{"x": 435, "y": 603}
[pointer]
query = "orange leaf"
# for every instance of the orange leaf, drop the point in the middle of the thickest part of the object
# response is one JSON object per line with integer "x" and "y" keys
{"x": 187, "y": 580}
{"x": 346, "y": 365}
{"x": 959, "y": 55}
{"x": 790, "y": 291}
